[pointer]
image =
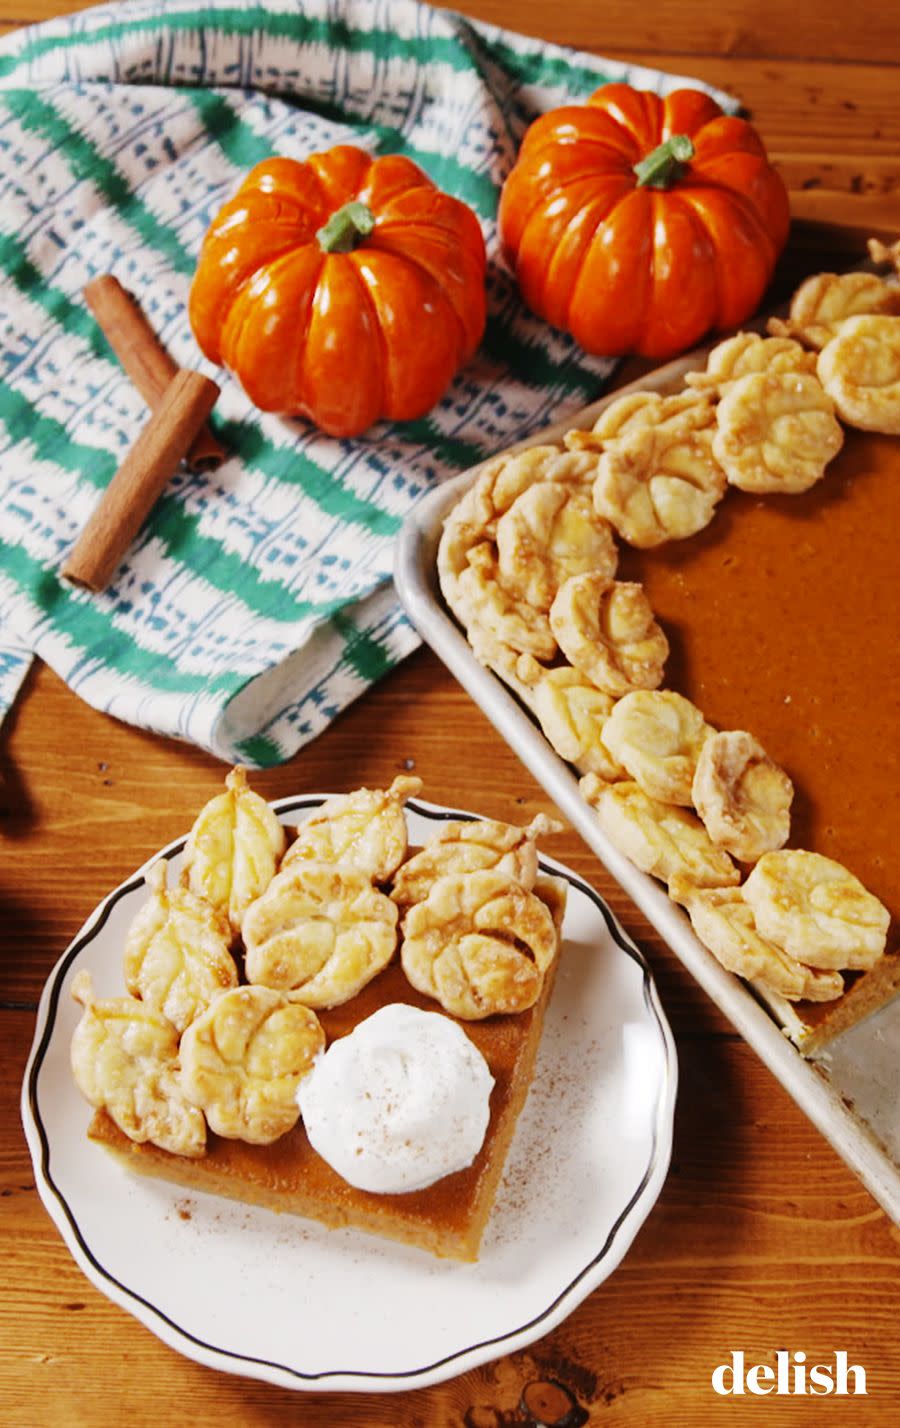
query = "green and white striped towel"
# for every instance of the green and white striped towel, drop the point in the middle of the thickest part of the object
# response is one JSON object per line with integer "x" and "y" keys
{"x": 256, "y": 603}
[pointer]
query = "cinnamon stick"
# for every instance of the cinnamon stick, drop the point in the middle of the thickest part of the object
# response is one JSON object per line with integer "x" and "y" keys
{"x": 163, "y": 443}
{"x": 144, "y": 358}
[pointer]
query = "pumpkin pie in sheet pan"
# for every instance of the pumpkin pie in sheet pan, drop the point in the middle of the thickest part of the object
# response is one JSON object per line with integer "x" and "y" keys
{"x": 775, "y": 593}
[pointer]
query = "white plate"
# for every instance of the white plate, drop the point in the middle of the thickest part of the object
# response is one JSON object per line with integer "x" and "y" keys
{"x": 285, "y": 1300}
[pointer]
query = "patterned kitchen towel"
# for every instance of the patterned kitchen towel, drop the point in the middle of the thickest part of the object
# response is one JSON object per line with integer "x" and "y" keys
{"x": 256, "y": 602}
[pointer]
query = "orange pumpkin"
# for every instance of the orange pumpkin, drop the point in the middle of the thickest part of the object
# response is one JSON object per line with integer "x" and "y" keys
{"x": 638, "y": 223}
{"x": 343, "y": 288}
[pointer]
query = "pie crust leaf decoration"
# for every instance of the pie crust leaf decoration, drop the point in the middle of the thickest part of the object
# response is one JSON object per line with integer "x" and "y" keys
{"x": 508, "y": 618}
{"x": 124, "y": 1058}
{"x": 243, "y": 1058}
{"x": 233, "y": 849}
{"x": 724, "y": 923}
{"x": 177, "y": 954}
{"x": 885, "y": 253}
{"x": 606, "y": 629}
{"x": 554, "y": 894}
{"x": 468, "y": 847}
{"x": 748, "y": 352}
{"x": 479, "y": 944}
{"x": 641, "y": 411}
{"x": 776, "y": 434}
{"x": 365, "y": 830}
{"x": 816, "y": 910}
{"x": 551, "y": 532}
{"x": 657, "y": 735}
{"x": 824, "y": 302}
{"x": 320, "y": 931}
{"x": 659, "y": 483}
{"x": 860, "y": 371}
{"x": 573, "y": 714}
{"x": 743, "y": 797}
{"x": 504, "y": 480}
{"x": 659, "y": 838}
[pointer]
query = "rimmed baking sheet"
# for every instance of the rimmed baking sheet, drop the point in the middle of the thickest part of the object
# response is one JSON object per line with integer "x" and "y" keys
{"x": 848, "y": 1092}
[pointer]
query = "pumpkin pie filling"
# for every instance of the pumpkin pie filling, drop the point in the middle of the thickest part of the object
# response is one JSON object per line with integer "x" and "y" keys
{"x": 783, "y": 617}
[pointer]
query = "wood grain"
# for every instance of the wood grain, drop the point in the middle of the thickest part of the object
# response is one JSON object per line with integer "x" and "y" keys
{"x": 761, "y": 1239}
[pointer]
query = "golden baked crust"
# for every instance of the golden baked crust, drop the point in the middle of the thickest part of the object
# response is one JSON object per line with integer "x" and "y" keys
{"x": 825, "y": 301}
{"x": 479, "y": 943}
{"x": 364, "y": 830}
{"x": 233, "y": 849}
{"x": 812, "y": 1025}
{"x": 320, "y": 931}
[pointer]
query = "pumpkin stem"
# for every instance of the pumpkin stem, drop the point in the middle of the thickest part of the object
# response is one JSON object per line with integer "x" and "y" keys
{"x": 664, "y": 165}
{"x": 346, "y": 228}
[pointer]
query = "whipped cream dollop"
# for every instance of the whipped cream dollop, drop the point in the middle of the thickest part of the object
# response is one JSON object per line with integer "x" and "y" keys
{"x": 399, "y": 1103}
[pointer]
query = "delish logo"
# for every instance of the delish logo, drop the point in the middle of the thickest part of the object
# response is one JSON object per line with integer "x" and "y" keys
{"x": 790, "y": 1376}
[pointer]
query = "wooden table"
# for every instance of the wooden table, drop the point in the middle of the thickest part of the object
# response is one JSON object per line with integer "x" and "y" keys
{"x": 762, "y": 1239}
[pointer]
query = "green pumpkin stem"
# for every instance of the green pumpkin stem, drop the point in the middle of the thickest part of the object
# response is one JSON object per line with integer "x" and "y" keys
{"x": 346, "y": 228}
{"x": 664, "y": 166}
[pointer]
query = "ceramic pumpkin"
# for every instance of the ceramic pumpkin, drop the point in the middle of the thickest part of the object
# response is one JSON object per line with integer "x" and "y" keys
{"x": 344, "y": 288}
{"x": 639, "y": 223}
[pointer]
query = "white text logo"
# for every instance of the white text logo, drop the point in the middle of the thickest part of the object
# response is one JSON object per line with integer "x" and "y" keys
{"x": 791, "y": 1375}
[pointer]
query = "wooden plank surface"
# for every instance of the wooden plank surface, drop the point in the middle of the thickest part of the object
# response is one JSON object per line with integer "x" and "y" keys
{"x": 762, "y": 1239}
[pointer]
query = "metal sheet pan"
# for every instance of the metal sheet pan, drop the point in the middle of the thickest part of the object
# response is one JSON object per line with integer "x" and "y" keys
{"x": 849, "y": 1091}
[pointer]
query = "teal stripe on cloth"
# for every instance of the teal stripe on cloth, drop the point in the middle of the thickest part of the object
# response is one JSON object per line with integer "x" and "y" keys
{"x": 177, "y": 530}
{"x": 256, "y": 602}
{"x": 75, "y": 619}
{"x": 335, "y": 35}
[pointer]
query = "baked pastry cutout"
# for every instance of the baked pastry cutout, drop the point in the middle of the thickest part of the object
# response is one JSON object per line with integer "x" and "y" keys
{"x": 233, "y": 849}
{"x": 508, "y": 618}
{"x": 748, "y": 352}
{"x": 816, "y": 910}
{"x": 479, "y": 944}
{"x": 124, "y": 1058}
{"x": 657, "y": 735}
{"x": 640, "y": 411}
{"x": 503, "y": 480}
{"x": 469, "y": 847}
{"x": 660, "y": 483}
{"x": 572, "y": 712}
{"x": 606, "y": 629}
{"x": 659, "y": 838}
{"x": 860, "y": 371}
{"x": 549, "y": 533}
{"x": 823, "y": 303}
{"x": 743, "y": 797}
{"x": 177, "y": 954}
{"x": 724, "y": 922}
{"x": 321, "y": 931}
{"x": 776, "y": 434}
{"x": 243, "y": 1059}
{"x": 365, "y": 830}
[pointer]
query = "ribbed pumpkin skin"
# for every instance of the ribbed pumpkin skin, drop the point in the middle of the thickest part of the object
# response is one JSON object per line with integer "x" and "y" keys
{"x": 341, "y": 338}
{"x": 631, "y": 269}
